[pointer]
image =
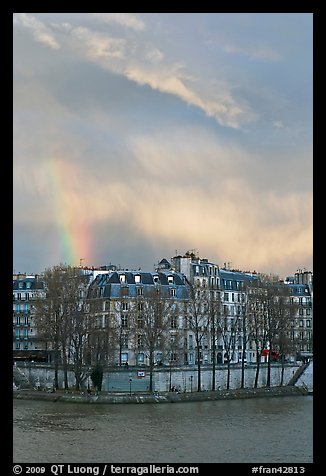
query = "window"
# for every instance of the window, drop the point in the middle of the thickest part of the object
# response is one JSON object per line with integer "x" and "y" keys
{"x": 191, "y": 341}
{"x": 125, "y": 306}
{"x": 124, "y": 321}
{"x": 308, "y": 323}
{"x": 308, "y": 313}
{"x": 139, "y": 291}
{"x": 140, "y": 357}
{"x": 226, "y": 296}
{"x": 173, "y": 357}
{"x": 173, "y": 322}
{"x": 124, "y": 340}
{"x": 232, "y": 297}
{"x": 140, "y": 322}
{"x": 172, "y": 292}
{"x": 137, "y": 278}
{"x": 170, "y": 279}
{"x": 140, "y": 306}
{"x": 124, "y": 357}
{"x": 140, "y": 340}
{"x": 122, "y": 278}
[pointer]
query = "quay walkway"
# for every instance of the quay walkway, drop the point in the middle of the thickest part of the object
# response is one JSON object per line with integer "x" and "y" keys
{"x": 166, "y": 397}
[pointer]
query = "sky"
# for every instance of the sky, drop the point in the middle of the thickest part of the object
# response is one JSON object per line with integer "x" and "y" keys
{"x": 139, "y": 136}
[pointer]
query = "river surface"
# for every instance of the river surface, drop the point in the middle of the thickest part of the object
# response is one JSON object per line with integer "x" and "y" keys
{"x": 257, "y": 430}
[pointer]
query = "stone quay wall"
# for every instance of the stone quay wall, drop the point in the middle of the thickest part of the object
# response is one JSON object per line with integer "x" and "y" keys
{"x": 136, "y": 380}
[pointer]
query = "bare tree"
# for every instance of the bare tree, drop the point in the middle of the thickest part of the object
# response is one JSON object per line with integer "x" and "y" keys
{"x": 277, "y": 314}
{"x": 284, "y": 312}
{"x": 50, "y": 316}
{"x": 153, "y": 325}
{"x": 257, "y": 327}
{"x": 197, "y": 320}
{"x": 229, "y": 332}
{"x": 174, "y": 348}
{"x": 60, "y": 318}
{"x": 245, "y": 335}
{"x": 215, "y": 310}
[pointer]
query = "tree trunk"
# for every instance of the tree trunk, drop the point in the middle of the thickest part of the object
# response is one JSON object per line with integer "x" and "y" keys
{"x": 56, "y": 367}
{"x": 268, "y": 383}
{"x": 214, "y": 369}
{"x": 243, "y": 370}
{"x": 65, "y": 368}
{"x": 282, "y": 371}
{"x": 257, "y": 370}
{"x": 198, "y": 370}
{"x": 151, "y": 367}
{"x": 228, "y": 375}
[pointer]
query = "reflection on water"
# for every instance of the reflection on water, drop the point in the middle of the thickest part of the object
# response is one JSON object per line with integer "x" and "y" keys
{"x": 262, "y": 430}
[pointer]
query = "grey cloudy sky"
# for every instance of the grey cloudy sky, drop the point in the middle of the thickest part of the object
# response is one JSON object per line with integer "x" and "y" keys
{"x": 139, "y": 135}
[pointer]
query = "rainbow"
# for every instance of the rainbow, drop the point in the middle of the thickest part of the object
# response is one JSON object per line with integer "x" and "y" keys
{"x": 69, "y": 212}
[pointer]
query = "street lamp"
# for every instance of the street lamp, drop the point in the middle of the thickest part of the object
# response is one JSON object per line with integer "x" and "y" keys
{"x": 191, "y": 377}
{"x": 130, "y": 380}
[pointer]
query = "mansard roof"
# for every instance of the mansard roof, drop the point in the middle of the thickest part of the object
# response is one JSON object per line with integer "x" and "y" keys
{"x": 231, "y": 280}
{"x": 113, "y": 283}
{"x": 29, "y": 283}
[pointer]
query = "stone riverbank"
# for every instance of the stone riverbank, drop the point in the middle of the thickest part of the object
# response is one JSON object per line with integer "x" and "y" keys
{"x": 166, "y": 397}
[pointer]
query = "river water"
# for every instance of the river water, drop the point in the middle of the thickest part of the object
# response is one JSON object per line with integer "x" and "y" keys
{"x": 257, "y": 430}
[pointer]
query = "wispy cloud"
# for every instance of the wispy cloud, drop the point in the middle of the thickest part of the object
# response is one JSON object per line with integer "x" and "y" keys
{"x": 40, "y": 32}
{"x": 127, "y": 20}
{"x": 255, "y": 52}
{"x": 120, "y": 113}
{"x": 146, "y": 64}
{"x": 98, "y": 46}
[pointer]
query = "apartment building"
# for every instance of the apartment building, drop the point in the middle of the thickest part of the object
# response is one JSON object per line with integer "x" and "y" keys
{"x": 188, "y": 310}
{"x": 27, "y": 345}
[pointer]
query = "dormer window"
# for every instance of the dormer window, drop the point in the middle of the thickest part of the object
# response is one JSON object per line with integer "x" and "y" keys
{"x": 170, "y": 279}
{"x": 122, "y": 278}
{"x": 155, "y": 279}
{"x": 137, "y": 278}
